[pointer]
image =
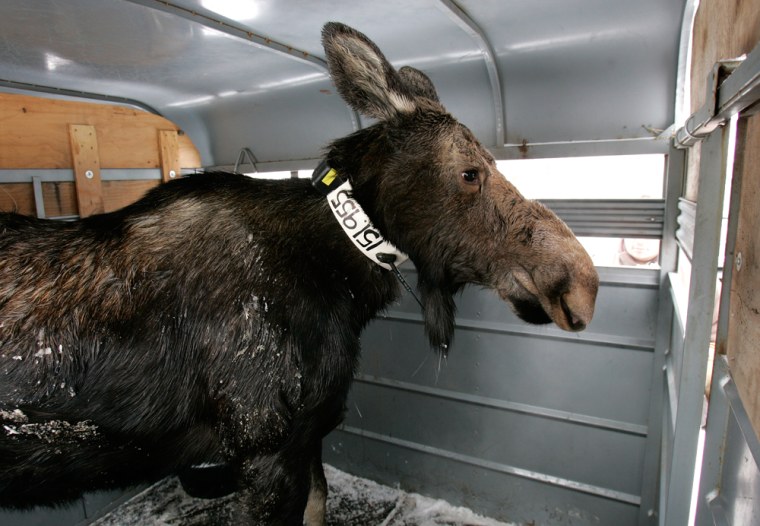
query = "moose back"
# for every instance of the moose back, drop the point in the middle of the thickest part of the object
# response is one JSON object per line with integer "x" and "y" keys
{"x": 218, "y": 318}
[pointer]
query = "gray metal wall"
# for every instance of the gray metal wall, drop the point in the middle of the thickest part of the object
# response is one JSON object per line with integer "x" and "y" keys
{"x": 517, "y": 423}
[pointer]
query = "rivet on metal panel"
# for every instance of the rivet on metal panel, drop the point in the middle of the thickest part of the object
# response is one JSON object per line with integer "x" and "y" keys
{"x": 739, "y": 261}
{"x": 172, "y": 174}
{"x": 89, "y": 174}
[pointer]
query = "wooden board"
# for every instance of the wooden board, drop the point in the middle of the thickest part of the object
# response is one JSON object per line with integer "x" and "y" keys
{"x": 722, "y": 30}
{"x": 34, "y": 134}
{"x": 743, "y": 343}
{"x": 168, "y": 144}
{"x": 86, "y": 162}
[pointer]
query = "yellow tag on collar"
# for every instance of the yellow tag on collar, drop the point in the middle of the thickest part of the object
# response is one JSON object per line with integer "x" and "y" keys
{"x": 330, "y": 177}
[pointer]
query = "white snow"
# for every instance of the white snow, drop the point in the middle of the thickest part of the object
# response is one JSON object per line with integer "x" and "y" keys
{"x": 352, "y": 501}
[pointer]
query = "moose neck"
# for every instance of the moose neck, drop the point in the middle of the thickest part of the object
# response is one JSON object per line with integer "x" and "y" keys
{"x": 354, "y": 220}
{"x": 358, "y": 160}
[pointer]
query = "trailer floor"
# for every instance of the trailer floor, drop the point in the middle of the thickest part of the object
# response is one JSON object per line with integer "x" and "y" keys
{"x": 352, "y": 501}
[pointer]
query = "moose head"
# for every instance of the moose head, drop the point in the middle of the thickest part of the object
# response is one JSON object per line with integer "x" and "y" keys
{"x": 434, "y": 192}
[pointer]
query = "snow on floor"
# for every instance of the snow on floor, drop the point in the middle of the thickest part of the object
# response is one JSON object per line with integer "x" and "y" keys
{"x": 352, "y": 501}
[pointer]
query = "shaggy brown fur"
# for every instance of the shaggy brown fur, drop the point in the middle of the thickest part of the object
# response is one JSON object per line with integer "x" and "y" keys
{"x": 218, "y": 318}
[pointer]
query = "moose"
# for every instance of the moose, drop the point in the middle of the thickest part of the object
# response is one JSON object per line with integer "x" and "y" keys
{"x": 218, "y": 317}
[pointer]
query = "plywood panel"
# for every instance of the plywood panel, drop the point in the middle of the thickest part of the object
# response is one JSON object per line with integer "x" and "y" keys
{"x": 743, "y": 344}
{"x": 118, "y": 194}
{"x": 60, "y": 198}
{"x": 17, "y": 198}
{"x": 34, "y": 134}
{"x": 722, "y": 30}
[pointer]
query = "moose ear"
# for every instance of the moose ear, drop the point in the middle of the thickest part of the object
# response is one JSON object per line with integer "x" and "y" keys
{"x": 418, "y": 83}
{"x": 364, "y": 77}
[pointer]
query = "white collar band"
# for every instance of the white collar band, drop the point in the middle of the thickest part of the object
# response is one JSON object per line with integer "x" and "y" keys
{"x": 359, "y": 229}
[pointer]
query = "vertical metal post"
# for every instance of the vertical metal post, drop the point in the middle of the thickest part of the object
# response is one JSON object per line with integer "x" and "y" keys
{"x": 717, "y": 422}
{"x": 712, "y": 172}
{"x": 39, "y": 198}
{"x": 674, "y": 177}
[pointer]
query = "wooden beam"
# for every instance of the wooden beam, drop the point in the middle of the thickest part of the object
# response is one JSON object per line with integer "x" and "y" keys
{"x": 744, "y": 313}
{"x": 86, "y": 161}
{"x": 168, "y": 145}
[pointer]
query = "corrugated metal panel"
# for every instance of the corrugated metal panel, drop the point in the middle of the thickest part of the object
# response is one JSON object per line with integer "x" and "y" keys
{"x": 521, "y": 423}
{"x": 611, "y": 217}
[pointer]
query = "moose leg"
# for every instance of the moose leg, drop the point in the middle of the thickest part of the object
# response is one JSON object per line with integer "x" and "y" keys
{"x": 273, "y": 489}
{"x": 316, "y": 508}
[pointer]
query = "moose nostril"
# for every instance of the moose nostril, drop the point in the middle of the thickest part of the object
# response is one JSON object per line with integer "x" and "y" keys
{"x": 576, "y": 322}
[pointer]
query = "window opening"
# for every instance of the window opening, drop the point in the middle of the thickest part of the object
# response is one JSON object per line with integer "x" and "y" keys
{"x": 618, "y": 177}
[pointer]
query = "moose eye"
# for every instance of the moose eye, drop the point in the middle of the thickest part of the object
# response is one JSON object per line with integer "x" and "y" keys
{"x": 470, "y": 176}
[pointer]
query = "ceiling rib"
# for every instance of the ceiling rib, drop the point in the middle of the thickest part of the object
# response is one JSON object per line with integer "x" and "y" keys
{"x": 213, "y": 21}
{"x": 464, "y": 21}
{"x": 25, "y": 86}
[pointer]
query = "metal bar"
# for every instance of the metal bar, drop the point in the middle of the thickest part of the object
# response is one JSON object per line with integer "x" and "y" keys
{"x": 586, "y": 338}
{"x": 66, "y": 175}
{"x": 691, "y": 387}
{"x": 582, "y": 148}
{"x": 208, "y": 18}
{"x": 664, "y": 479}
{"x": 645, "y": 278}
{"x": 497, "y": 467}
{"x": 39, "y": 199}
{"x": 246, "y": 153}
{"x": 725, "y": 403}
{"x": 738, "y": 92}
{"x": 211, "y": 20}
{"x": 643, "y": 205}
{"x": 715, "y": 437}
{"x": 742, "y": 420}
{"x": 38, "y": 88}
{"x": 673, "y": 184}
{"x": 464, "y": 21}
{"x": 686, "y": 225}
{"x": 679, "y": 309}
{"x": 721, "y": 335}
{"x": 719, "y": 403}
{"x": 671, "y": 391}
{"x": 613, "y": 230}
{"x": 665, "y": 457}
{"x": 515, "y": 407}
{"x": 629, "y": 277}
{"x": 718, "y": 511}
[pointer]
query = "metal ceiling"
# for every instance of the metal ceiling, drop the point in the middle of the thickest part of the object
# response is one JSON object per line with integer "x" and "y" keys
{"x": 522, "y": 75}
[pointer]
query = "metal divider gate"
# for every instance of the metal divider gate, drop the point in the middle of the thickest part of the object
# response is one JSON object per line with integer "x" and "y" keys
{"x": 729, "y": 492}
